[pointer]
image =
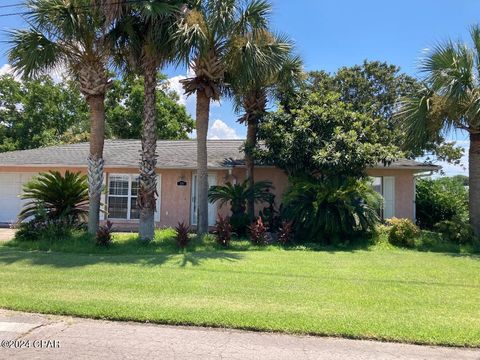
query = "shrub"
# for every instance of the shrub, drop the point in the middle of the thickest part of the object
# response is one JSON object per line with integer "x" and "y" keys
{"x": 331, "y": 207}
{"x": 403, "y": 232}
{"x": 258, "y": 232}
{"x": 443, "y": 199}
{"x": 271, "y": 217}
{"x": 104, "y": 234}
{"x": 182, "y": 237}
{"x": 456, "y": 231}
{"x": 62, "y": 198}
{"x": 285, "y": 232}
{"x": 237, "y": 195}
{"x": 223, "y": 230}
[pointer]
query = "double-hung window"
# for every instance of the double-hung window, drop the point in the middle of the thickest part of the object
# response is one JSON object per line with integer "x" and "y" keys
{"x": 385, "y": 186}
{"x": 122, "y": 196}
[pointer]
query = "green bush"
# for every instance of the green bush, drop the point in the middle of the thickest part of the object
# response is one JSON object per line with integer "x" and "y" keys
{"x": 456, "y": 231}
{"x": 438, "y": 200}
{"x": 403, "y": 232}
{"x": 327, "y": 209}
{"x": 237, "y": 195}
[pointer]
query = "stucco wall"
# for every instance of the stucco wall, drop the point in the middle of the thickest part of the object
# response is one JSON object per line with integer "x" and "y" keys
{"x": 176, "y": 200}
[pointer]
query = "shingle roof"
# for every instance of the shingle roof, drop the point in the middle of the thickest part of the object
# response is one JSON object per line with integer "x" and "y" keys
{"x": 126, "y": 153}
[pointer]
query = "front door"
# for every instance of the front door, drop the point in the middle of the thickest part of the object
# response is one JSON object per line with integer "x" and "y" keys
{"x": 212, "y": 208}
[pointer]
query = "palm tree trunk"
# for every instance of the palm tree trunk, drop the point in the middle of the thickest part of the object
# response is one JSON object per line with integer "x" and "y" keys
{"x": 148, "y": 177}
{"x": 474, "y": 182}
{"x": 96, "y": 106}
{"x": 202, "y": 117}
{"x": 250, "y": 165}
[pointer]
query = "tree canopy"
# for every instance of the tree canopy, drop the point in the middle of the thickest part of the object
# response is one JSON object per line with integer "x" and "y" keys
{"x": 42, "y": 112}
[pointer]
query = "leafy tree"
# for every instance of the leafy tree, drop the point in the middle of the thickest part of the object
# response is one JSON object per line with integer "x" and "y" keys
{"x": 68, "y": 32}
{"x": 237, "y": 195}
{"x": 375, "y": 89}
{"x": 125, "y": 107}
{"x": 213, "y": 35}
{"x": 450, "y": 100}
{"x": 142, "y": 34}
{"x": 39, "y": 112}
{"x": 322, "y": 137}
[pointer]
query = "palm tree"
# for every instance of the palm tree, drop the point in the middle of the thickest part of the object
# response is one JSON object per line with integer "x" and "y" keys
{"x": 67, "y": 33}
{"x": 142, "y": 34}
{"x": 450, "y": 100}
{"x": 277, "y": 75}
{"x": 211, "y": 35}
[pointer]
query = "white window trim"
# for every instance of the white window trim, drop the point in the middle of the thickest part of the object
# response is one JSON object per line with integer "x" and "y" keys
{"x": 129, "y": 197}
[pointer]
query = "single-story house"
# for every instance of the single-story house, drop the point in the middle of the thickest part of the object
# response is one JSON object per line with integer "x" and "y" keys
{"x": 177, "y": 190}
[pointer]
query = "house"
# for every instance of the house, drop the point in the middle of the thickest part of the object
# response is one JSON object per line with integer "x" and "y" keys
{"x": 177, "y": 191}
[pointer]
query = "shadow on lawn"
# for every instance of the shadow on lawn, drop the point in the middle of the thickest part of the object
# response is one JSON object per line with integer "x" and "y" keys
{"x": 70, "y": 260}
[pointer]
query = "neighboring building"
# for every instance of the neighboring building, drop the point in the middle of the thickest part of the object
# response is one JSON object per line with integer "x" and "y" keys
{"x": 177, "y": 191}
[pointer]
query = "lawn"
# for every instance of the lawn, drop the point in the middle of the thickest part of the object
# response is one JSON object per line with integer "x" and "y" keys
{"x": 378, "y": 293}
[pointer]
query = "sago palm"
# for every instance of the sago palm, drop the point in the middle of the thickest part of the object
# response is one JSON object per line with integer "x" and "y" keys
{"x": 278, "y": 73}
{"x": 450, "y": 100}
{"x": 67, "y": 33}
{"x": 210, "y": 36}
{"x": 237, "y": 196}
{"x": 142, "y": 33}
{"x": 62, "y": 197}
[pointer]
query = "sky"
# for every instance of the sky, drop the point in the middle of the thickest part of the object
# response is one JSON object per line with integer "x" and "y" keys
{"x": 330, "y": 34}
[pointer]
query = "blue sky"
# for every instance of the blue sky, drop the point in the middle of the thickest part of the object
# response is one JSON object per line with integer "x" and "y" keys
{"x": 335, "y": 33}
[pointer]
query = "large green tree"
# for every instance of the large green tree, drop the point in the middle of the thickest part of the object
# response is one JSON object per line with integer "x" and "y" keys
{"x": 450, "y": 100}
{"x": 375, "y": 89}
{"x": 68, "y": 33}
{"x": 41, "y": 112}
{"x": 322, "y": 137}
{"x": 125, "y": 107}
{"x": 212, "y": 35}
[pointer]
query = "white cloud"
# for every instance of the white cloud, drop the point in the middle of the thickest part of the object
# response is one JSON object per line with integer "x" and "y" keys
{"x": 58, "y": 74}
{"x": 174, "y": 84}
{"x": 5, "y": 69}
{"x": 220, "y": 130}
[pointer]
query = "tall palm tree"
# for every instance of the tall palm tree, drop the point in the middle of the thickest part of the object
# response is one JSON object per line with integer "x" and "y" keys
{"x": 210, "y": 37}
{"x": 277, "y": 75}
{"x": 450, "y": 100}
{"x": 67, "y": 33}
{"x": 142, "y": 34}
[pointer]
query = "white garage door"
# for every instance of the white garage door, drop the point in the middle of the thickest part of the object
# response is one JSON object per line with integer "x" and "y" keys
{"x": 10, "y": 189}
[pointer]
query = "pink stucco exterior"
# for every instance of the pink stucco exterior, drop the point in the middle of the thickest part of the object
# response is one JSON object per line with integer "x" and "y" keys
{"x": 175, "y": 201}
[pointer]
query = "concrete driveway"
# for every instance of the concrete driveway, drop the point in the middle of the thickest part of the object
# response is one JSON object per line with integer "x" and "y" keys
{"x": 59, "y": 337}
{"x": 6, "y": 234}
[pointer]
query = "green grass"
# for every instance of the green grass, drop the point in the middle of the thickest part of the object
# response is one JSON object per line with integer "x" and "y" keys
{"x": 378, "y": 292}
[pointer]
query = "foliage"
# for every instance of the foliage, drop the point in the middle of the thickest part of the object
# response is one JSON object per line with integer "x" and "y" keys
{"x": 331, "y": 208}
{"x": 182, "y": 238}
{"x": 257, "y": 232}
{"x": 124, "y": 105}
{"x": 456, "y": 231}
{"x": 322, "y": 135}
{"x": 237, "y": 195}
{"x": 285, "y": 232}
{"x": 271, "y": 217}
{"x": 61, "y": 197}
{"x": 403, "y": 232}
{"x": 442, "y": 199}
{"x": 40, "y": 112}
{"x": 104, "y": 234}
{"x": 223, "y": 230}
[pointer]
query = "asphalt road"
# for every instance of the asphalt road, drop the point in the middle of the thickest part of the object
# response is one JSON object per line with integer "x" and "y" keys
{"x": 35, "y": 336}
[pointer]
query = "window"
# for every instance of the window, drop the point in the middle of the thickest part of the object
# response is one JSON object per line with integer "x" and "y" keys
{"x": 122, "y": 197}
{"x": 385, "y": 186}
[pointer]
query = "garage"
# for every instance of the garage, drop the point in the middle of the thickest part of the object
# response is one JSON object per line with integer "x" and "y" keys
{"x": 10, "y": 190}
